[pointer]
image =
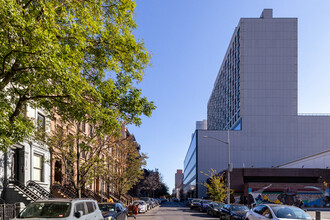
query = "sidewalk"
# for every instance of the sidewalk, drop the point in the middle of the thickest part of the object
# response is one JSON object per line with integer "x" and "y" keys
{"x": 325, "y": 215}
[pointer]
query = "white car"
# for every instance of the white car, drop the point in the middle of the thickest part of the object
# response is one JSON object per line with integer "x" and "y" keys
{"x": 143, "y": 207}
{"x": 274, "y": 211}
{"x": 66, "y": 209}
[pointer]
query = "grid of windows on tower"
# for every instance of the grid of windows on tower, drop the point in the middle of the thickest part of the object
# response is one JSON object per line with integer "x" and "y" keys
{"x": 224, "y": 105}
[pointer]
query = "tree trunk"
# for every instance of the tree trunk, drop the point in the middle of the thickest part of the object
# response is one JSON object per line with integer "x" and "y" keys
{"x": 78, "y": 164}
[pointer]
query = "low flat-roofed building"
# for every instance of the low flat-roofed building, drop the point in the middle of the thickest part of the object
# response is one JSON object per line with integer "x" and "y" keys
{"x": 285, "y": 185}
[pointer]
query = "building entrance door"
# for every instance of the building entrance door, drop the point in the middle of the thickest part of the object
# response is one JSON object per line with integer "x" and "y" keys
{"x": 58, "y": 172}
{"x": 18, "y": 164}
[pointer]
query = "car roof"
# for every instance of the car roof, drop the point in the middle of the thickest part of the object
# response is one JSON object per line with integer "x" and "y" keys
{"x": 277, "y": 205}
{"x": 65, "y": 200}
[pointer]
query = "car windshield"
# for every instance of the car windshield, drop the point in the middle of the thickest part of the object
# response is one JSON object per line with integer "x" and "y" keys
{"x": 46, "y": 210}
{"x": 216, "y": 205}
{"x": 239, "y": 208}
{"x": 290, "y": 212}
{"x": 140, "y": 202}
{"x": 107, "y": 207}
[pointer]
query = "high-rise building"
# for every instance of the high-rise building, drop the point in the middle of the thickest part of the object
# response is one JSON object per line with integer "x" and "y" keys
{"x": 178, "y": 183}
{"x": 255, "y": 98}
{"x": 201, "y": 125}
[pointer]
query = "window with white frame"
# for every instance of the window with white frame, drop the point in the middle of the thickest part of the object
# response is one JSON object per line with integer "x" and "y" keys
{"x": 41, "y": 122}
{"x": 38, "y": 168}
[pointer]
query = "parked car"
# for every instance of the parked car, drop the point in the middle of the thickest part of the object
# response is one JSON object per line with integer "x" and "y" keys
{"x": 233, "y": 211}
{"x": 195, "y": 204}
{"x": 163, "y": 200}
{"x": 148, "y": 201}
{"x": 112, "y": 211}
{"x": 204, "y": 204}
{"x": 214, "y": 208}
{"x": 157, "y": 201}
{"x": 66, "y": 209}
{"x": 274, "y": 211}
{"x": 175, "y": 200}
{"x": 143, "y": 207}
{"x": 189, "y": 201}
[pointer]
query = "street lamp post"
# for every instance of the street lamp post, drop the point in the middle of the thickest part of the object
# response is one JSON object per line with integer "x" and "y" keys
{"x": 229, "y": 165}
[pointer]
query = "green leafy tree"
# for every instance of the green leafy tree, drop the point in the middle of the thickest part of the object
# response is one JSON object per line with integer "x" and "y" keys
{"x": 77, "y": 59}
{"x": 162, "y": 190}
{"x": 81, "y": 153}
{"x": 87, "y": 156}
{"x": 216, "y": 186}
{"x": 124, "y": 166}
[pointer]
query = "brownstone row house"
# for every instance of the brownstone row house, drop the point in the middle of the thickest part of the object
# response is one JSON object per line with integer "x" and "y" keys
{"x": 97, "y": 179}
{"x": 31, "y": 170}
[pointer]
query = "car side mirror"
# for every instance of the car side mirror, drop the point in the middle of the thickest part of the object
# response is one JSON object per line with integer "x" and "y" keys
{"x": 78, "y": 214}
{"x": 267, "y": 215}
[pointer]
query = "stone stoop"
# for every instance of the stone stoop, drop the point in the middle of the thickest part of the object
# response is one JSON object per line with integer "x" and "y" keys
{"x": 13, "y": 196}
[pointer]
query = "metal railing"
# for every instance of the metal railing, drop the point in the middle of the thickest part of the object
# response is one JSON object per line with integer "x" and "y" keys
{"x": 67, "y": 190}
{"x": 70, "y": 192}
{"x": 91, "y": 194}
{"x": 25, "y": 190}
{"x": 39, "y": 190}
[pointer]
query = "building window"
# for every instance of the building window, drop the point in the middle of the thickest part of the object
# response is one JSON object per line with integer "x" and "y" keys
{"x": 83, "y": 126}
{"x": 90, "y": 131}
{"x": 41, "y": 122}
{"x": 238, "y": 126}
{"x": 83, "y": 152}
{"x": 38, "y": 168}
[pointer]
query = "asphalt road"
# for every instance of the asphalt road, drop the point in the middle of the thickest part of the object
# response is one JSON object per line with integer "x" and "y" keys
{"x": 177, "y": 211}
{"x": 173, "y": 211}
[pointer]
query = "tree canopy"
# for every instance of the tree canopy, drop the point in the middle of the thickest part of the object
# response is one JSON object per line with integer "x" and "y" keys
{"x": 86, "y": 157}
{"x": 216, "y": 186}
{"x": 78, "y": 59}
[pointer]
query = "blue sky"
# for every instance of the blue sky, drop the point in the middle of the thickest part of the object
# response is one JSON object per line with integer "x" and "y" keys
{"x": 188, "y": 39}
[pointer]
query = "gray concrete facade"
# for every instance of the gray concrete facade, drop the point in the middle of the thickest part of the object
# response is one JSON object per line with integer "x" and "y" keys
{"x": 257, "y": 89}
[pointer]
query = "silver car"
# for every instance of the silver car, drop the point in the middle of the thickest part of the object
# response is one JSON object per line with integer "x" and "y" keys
{"x": 143, "y": 207}
{"x": 64, "y": 209}
{"x": 274, "y": 211}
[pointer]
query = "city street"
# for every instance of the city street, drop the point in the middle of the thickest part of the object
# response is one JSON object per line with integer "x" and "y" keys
{"x": 177, "y": 211}
{"x": 173, "y": 211}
